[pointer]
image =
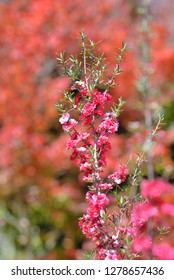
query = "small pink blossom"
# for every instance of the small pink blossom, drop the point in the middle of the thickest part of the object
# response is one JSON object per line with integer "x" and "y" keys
{"x": 101, "y": 254}
{"x": 85, "y": 166}
{"x": 80, "y": 94}
{"x": 132, "y": 231}
{"x": 93, "y": 211}
{"x": 87, "y": 110}
{"x": 89, "y": 195}
{"x": 110, "y": 115}
{"x": 100, "y": 200}
{"x": 108, "y": 96}
{"x": 69, "y": 125}
{"x": 91, "y": 226}
{"x": 120, "y": 175}
{"x": 104, "y": 186}
{"x": 74, "y": 135}
{"x": 103, "y": 143}
{"x": 111, "y": 255}
{"x": 64, "y": 119}
{"x": 84, "y": 136}
{"x": 102, "y": 158}
{"x": 87, "y": 120}
{"x": 121, "y": 230}
{"x": 74, "y": 155}
{"x": 71, "y": 144}
{"x": 99, "y": 110}
{"x": 98, "y": 97}
{"x": 108, "y": 126}
{"x": 87, "y": 178}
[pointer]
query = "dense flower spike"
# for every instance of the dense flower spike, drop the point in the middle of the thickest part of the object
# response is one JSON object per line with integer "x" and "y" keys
{"x": 89, "y": 142}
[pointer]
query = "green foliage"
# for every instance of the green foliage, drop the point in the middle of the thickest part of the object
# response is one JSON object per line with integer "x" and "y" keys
{"x": 168, "y": 111}
{"x": 90, "y": 65}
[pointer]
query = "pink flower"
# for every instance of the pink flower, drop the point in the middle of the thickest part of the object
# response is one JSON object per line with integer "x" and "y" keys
{"x": 87, "y": 120}
{"x": 101, "y": 254}
{"x": 104, "y": 186}
{"x": 108, "y": 126}
{"x": 167, "y": 209}
{"x": 84, "y": 136}
{"x": 154, "y": 188}
{"x": 108, "y": 96}
{"x": 67, "y": 126}
{"x": 99, "y": 110}
{"x": 74, "y": 135}
{"x": 64, "y": 119}
{"x": 71, "y": 144}
{"x": 93, "y": 211}
{"x": 74, "y": 155}
{"x": 85, "y": 166}
{"x": 98, "y": 97}
{"x": 87, "y": 178}
{"x": 81, "y": 93}
{"x": 131, "y": 231}
{"x": 103, "y": 143}
{"x": 119, "y": 176}
{"x": 111, "y": 255}
{"x": 88, "y": 226}
{"x": 87, "y": 110}
{"x": 102, "y": 158}
{"x": 91, "y": 226}
{"x": 163, "y": 251}
{"x": 142, "y": 212}
{"x": 121, "y": 230}
{"x": 142, "y": 244}
{"x": 99, "y": 200}
{"x": 89, "y": 195}
{"x": 84, "y": 92}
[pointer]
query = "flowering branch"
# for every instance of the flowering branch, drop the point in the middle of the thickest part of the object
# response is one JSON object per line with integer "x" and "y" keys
{"x": 89, "y": 139}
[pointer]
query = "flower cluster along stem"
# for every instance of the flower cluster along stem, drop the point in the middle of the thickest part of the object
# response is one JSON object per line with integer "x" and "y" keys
{"x": 89, "y": 141}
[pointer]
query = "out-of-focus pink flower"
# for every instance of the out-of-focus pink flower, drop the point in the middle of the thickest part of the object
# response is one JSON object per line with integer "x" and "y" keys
{"x": 154, "y": 188}
{"x": 167, "y": 209}
{"x": 142, "y": 212}
{"x": 142, "y": 244}
{"x": 163, "y": 251}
